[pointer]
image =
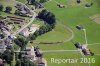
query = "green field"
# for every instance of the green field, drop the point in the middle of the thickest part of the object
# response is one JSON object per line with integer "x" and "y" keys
{"x": 95, "y": 48}
{"x": 71, "y": 16}
{"x": 59, "y": 32}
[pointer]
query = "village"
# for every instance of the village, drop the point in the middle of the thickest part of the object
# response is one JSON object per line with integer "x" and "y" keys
{"x": 33, "y": 32}
{"x": 9, "y": 25}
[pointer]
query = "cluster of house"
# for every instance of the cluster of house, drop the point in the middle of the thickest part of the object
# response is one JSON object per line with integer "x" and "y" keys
{"x": 37, "y": 4}
{"x": 30, "y": 30}
{"x": 35, "y": 55}
{"x": 6, "y": 24}
{"x": 84, "y": 49}
{"x": 5, "y": 21}
{"x": 5, "y": 31}
{"x": 22, "y": 10}
{"x": 15, "y": 20}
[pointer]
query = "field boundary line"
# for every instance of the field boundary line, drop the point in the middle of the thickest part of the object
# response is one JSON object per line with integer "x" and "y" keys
{"x": 60, "y": 51}
{"x": 94, "y": 44}
{"x": 97, "y": 54}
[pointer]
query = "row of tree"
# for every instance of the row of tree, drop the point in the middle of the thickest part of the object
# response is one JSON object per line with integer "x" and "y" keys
{"x": 8, "y": 9}
{"x": 48, "y": 17}
{"x": 34, "y": 1}
{"x": 23, "y": 61}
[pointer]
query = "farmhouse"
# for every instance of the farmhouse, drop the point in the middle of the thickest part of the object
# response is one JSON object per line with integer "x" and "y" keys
{"x": 77, "y": 45}
{"x": 79, "y": 27}
{"x": 86, "y": 51}
{"x": 42, "y": 62}
{"x": 38, "y": 52}
{"x": 61, "y": 6}
{"x": 39, "y": 55}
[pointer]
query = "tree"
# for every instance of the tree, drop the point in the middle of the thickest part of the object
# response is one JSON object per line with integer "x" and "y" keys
{"x": 48, "y": 27}
{"x": 78, "y": 1}
{"x": 8, "y": 55}
{"x": 36, "y": 33}
{"x": 44, "y": 29}
{"x": 42, "y": 14}
{"x": 28, "y": 1}
{"x": 18, "y": 63}
{"x": 1, "y": 7}
{"x": 32, "y": 37}
{"x": 8, "y": 9}
{"x": 17, "y": 12}
{"x": 41, "y": 31}
{"x": 47, "y": 16}
{"x": 31, "y": 63}
{"x": 24, "y": 62}
{"x": 33, "y": 2}
{"x": 50, "y": 18}
{"x": 21, "y": 42}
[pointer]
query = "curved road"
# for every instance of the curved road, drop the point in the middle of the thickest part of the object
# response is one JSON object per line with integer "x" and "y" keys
{"x": 70, "y": 30}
